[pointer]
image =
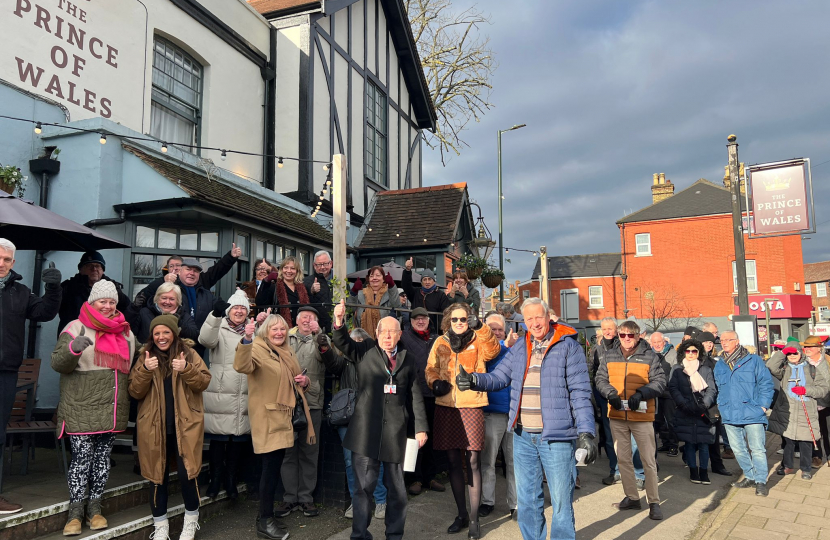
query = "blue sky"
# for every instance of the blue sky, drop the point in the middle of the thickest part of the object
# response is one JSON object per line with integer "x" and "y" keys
{"x": 613, "y": 92}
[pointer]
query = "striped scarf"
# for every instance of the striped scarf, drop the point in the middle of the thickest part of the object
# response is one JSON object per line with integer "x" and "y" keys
{"x": 238, "y": 328}
{"x": 112, "y": 350}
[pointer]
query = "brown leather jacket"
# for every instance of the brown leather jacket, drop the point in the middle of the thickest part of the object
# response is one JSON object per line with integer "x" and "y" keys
{"x": 148, "y": 388}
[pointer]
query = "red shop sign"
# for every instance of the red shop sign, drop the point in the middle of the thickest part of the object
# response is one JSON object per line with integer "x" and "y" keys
{"x": 780, "y": 306}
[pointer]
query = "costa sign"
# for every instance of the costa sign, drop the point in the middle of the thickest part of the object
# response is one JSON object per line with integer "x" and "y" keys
{"x": 780, "y": 306}
{"x": 780, "y": 197}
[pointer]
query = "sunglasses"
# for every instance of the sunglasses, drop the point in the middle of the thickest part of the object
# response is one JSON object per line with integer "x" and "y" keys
{"x": 692, "y": 351}
{"x": 459, "y": 319}
{"x": 792, "y": 354}
{"x": 629, "y": 336}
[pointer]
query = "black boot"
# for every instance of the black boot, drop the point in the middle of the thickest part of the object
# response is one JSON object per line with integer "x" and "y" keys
{"x": 270, "y": 529}
{"x": 231, "y": 470}
{"x": 694, "y": 475}
{"x": 704, "y": 477}
{"x": 217, "y": 464}
{"x": 459, "y": 524}
{"x": 474, "y": 533}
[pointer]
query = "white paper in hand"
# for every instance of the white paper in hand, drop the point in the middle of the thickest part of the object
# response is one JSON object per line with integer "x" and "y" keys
{"x": 411, "y": 455}
{"x": 580, "y": 455}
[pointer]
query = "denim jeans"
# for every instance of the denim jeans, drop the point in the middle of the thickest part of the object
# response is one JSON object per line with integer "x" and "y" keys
{"x": 609, "y": 441}
{"x": 532, "y": 456}
{"x": 694, "y": 451}
{"x": 380, "y": 490}
{"x": 753, "y": 461}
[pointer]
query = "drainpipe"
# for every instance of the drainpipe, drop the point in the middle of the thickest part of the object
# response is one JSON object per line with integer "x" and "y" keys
{"x": 122, "y": 217}
{"x": 624, "y": 275}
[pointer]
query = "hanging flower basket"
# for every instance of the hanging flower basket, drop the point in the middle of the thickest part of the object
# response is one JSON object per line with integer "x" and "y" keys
{"x": 492, "y": 277}
{"x": 472, "y": 265}
{"x": 8, "y": 188}
{"x": 473, "y": 273}
{"x": 11, "y": 179}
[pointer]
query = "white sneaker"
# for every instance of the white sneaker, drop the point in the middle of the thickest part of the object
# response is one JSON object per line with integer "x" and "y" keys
{"x": 349, "y": 512}
{"x": 779, "y": 451}
{"x": 189, "y": 528}
{"x": 380, "y": 510}
{"x": 161, "y": 531}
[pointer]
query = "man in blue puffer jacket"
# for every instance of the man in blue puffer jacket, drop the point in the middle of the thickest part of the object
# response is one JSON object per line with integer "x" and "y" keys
{"x": 550, "y": 416}
{"x": 744, "y": 395}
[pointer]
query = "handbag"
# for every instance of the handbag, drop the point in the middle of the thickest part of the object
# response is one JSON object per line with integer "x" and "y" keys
{"x": 341, "y": 407}
{"x": 298, "y": 418}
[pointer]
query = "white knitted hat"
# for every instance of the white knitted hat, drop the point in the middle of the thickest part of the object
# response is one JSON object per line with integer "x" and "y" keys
{"x": 239, "y": 298}
{"x": 103, "y": 289}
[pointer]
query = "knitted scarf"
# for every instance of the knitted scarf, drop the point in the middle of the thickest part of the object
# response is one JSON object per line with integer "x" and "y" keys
{"x": 371, "y": 317}
{"x": 238, "y": 328}
{"x": 690, "y": 368}
{"x": 425, "y": 335}
{"x": 111, "y": 347}
{"x": 282, "y": 299}
{"x": 3, "y": 280}
{"x": 287, "y": 392}
{"x": 732, "y": 359}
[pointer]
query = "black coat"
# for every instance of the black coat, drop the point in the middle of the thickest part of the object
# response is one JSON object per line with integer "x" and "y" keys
{"x": 378, "y": 428}
{"x": 418, "y": 350}
{"x": 140, "y": 320}
{"x": 322, "y": 297}
{"x": 691, "y": 423}
{"x": 17, "y": 303}
{"x": 435, "y": 301}
{"x": 76, "y": 291}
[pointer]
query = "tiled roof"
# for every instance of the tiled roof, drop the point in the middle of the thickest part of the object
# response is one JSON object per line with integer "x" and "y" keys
{"x": 703, "y": 198}
{"x": 404, "y": 218}
{"x": 817, "y": 272}
{"x": 578, "y": 266}
{"x": 282, "y": 7}
{"x": 216, "y": 193}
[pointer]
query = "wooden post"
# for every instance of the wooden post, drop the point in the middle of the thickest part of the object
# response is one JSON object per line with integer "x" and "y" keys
{"x": 338, "y": 201}
{"x": 544, "y": 285}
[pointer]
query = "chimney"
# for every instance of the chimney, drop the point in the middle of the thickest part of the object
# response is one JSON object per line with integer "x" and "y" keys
{"x": 727, "y": 180}
{"x": 661, "y": 189}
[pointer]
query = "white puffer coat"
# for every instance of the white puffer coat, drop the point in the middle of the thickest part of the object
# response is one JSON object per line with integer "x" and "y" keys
{"x": 226, "y": 398}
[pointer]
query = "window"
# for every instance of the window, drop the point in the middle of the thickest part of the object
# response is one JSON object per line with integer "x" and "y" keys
{"x": 643, "y": 242}
{"x": 375, "y": 134}
{"x": 154, "y": 245}
{"x": 821, "y": 290}
{"x": 242, "y": 268}
{"x": 751, "y": 277}
{"x": 525, "y": 294}
{"x": 808, "y": 289}
{"x": 269, "y": 250}
{"x": 595, "y": 296}
{"x": 177, "y": 94}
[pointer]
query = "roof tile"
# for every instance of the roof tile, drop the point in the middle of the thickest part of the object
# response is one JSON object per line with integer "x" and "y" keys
{"x": 817, "y": 272}
{"x": 703, "y": 198}
{"x": 579, "y": 266}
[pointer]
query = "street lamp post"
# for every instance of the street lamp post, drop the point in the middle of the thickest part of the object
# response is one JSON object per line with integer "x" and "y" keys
{"x": 501, "y": 198}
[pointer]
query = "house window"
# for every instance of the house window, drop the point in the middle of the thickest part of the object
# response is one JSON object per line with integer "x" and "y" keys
{"x": 525, "y": 294}
{"x": 808, "y": 289}
{"x": 177, "y": 94}
{"x": 643, "y": 242}
{"x": 154, "y": 245}
{"x": 821, "y": 290}
{"x": 272, "y": 252}
{"x": 751, "y": 277}
{"x": 375, "y": 134}
{"x": 595, "y": 296}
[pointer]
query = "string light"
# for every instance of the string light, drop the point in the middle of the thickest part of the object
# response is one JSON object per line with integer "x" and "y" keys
{"x": 224, "y": 155}
{"x": 326, "y": 166}
{"x": 38, "y": 128}
{"x": 103, "y": 139}
{"x": 279, "y": 163}
{"x": 164, "y": 147}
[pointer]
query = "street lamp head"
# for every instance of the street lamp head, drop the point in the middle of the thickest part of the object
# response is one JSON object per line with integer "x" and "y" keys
{"x": 732, "y": 138}
{"x": 519, "y": 126}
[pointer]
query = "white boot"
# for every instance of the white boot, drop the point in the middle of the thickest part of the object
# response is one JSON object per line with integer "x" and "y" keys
{"x": 191, "y": 525}
{"x": 162, "y": 530}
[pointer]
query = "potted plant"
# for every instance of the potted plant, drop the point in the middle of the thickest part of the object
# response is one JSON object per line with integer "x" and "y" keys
{"x": 472, "y": 265}
{"x": 11, "y": 178}
{"x": 492, "y": 277}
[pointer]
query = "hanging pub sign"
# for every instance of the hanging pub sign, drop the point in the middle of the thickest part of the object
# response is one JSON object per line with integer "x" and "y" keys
{"x": 780, "y": 197}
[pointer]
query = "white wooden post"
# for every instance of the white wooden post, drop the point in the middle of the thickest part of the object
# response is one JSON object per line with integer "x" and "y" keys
{"x": 544, "y": 289}
{"x": 338, "y": 200}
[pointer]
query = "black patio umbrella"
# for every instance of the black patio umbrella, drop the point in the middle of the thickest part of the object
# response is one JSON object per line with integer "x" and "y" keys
{"x": 394, "y": 269}
{"x": 29, "y": 226}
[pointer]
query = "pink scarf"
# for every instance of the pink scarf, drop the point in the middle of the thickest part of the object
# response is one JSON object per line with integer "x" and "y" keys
{"x": 111, "y": 347}
{"x": 690, "y": 368}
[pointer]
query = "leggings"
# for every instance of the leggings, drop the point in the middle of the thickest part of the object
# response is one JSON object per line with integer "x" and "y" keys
{"x": 189, "y": 489}
{"x": 90, "y": 465}
{"x": 457, "y": 480}
{"x": 271, "y": 465}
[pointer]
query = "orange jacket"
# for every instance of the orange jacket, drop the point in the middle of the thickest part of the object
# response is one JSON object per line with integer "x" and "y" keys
{"x": 641, "y": 372}
{"x": 443, "y": 364}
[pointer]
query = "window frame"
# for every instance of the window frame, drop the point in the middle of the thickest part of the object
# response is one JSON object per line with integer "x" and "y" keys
{"x": 372, "y": 132}
{"x": 172, "y": 103}
{"x": 751, "y": 277}
{"x": 821, "y": 290}
{"x": 637, "y": 244}
{"x": 808, "y": 289}
{"x": 592, "y": 296}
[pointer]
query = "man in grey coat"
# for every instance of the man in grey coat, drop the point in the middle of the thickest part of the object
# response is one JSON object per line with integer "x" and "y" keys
{"x": 387, "y": 382}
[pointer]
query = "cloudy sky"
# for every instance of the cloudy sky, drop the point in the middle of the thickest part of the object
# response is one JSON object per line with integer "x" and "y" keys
{"x": 614, "y": 91}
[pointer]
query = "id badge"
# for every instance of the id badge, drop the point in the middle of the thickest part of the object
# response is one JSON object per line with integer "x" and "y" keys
{"x": 390, "y": 389}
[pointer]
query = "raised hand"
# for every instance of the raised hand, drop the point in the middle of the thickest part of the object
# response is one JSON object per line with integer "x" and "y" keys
{"x": 179, "y": 362}
{"x": 409, "y": 264}
{"x": 315, "y": 287}
{"x": 339, "y": 313}
{"x": 140, "y": 300}
{"x": 273, "y": 276}
{"x": 322, "y": 342}
{"x": 390, "y": 283}
{"x": 80, "y": 343}
{"x": 358, "y": 286}
{"x": 236, "y": 252}
{"x": 511, "y": 339}
{"x": 263, "y": 315}
{"x": 150, "y": 362}
{"x": 465, "y": 381}
{"x": 170, "y": 277}
{"x": 219, "y": 308}
{"x": 250, "y": 328}
{"x": 315, "y": 327}
{"x": 51, "y": 275}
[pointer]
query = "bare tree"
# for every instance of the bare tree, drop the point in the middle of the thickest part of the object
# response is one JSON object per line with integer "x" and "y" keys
{"x": 662, "y": 305}
{"x": 458, "y": 64}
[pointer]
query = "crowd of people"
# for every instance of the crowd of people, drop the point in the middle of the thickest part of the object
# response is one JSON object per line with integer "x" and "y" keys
{"x": 414, "y": 362}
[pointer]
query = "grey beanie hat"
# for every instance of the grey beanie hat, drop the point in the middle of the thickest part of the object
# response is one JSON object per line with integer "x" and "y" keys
{"x": 103, "y": 289}
{"x": 239, "y": 298}
{"x": 428, "y": 274}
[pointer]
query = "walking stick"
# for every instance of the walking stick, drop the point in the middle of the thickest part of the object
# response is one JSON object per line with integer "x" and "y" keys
{"x": 807, "y": 416}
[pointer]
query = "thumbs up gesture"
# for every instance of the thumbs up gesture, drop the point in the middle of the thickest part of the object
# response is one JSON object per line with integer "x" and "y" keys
{"x": 179, "y": 362}
{"x": 315, "y": 287}
{"x": 150, "y": 363}
{"x": 339, "y": 313}
{"x": 465, "y": 381}
{"x": 236, "y": 252}
{"x": 263, "y": 315}
{"x": 511, "y": 339}
{"x": 51, "y": 275}
{"x": 80, "y": 343}
{"x": 250, "y": 328}
{"x": 409, "y": 264}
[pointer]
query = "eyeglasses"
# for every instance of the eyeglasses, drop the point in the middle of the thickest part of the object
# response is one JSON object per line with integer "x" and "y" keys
{"x": 628, "y": 336}
{"x": 692, "y": 351}
{"x": 793, "y": 354}
{"x": 388, "y": 332}
{"x": 262, "y": 269}
{"x": 328, "y": 263}
{"x": 727, "y": 340}
{"x": 459, "y": 319}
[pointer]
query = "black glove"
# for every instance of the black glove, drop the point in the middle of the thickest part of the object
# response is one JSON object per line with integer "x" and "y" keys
{"x": 586, "y": 442}
{"x": 140, "y": 300}
{"x": 465, "y": 381}
{"x": 80, "y": 343}
{"x": 615, "y": 401}
{"x": 322, "y": 341}
{"x": 219, "y": 308}
{"x": 474, "y": 323}
{"x": 634, "y": 401}
{"x": 51, "y": 276}
{"x": 441, "y": 388}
